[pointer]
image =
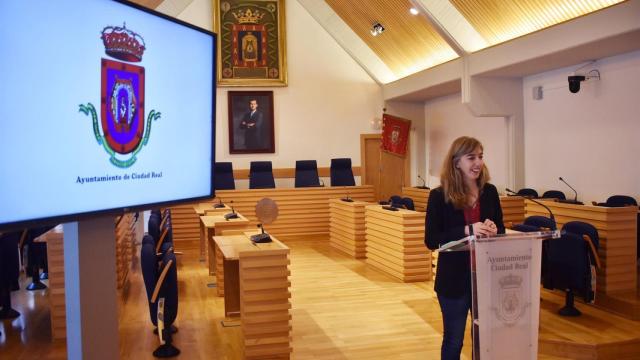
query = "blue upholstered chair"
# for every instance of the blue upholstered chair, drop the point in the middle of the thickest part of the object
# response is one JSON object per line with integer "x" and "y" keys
{"x": 341, "y": 172}
{"x": 620, "y": 201}
{"x": 261, "y": 175}
{"x": 408, "y": 203}
{"x": 569, "y": 264}
{"x": 528, "y": 192}
{"x": 540, "y": 222}
{"x": 223, "y": 176}
{"x": 161, "y": 278}
{"x": 554, "y": 194}
{"x": 307, "y": 173}
{"x": 396, "y": 201}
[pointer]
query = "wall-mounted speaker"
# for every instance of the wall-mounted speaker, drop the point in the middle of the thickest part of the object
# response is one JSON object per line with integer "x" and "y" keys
{"x": 537, "y": 92}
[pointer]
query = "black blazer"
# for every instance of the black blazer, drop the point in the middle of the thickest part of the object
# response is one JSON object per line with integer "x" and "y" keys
{"x": 444, "y": 223}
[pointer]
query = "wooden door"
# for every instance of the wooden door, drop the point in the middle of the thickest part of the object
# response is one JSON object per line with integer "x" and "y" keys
{"x": 386, "y": 172}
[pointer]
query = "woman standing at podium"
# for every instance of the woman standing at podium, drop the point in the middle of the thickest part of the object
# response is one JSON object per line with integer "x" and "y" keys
{"x": 464, "y": 204}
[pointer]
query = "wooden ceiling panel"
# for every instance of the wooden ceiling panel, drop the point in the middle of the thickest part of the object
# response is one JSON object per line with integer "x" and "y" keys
{"x": 499, "y": 20}
{"x": 409, "y": 43}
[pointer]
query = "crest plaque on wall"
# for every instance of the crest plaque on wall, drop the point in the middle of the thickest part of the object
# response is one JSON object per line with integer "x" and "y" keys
{"x": 252, "y": 42}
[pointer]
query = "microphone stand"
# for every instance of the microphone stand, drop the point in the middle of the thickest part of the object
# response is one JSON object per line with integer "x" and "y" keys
{"x": 575, "y": 199}
{"x": 539, "y": 203}
{"x": 424, "y": 184}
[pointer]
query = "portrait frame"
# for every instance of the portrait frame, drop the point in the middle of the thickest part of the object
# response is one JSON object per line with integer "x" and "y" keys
{"x": 251, "y": 132}
{"x": 240, "y": 23}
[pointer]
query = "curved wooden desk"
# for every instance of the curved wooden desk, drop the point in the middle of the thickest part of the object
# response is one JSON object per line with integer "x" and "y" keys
{"x": 395, "y": 243}
{"x": 300, "y": 210}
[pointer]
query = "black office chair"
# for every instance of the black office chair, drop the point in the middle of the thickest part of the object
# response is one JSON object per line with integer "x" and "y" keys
{"x": 554, "y": 194}
{"x": 223, "y": 176}
{"x": 307, "y": 173}
{"x": 525, "y": 228}
{"x": 341, "y": 172}
{"x": 161, "y": 284}
{"x": 261, "y": 175}
{"x": 540, "y": 222}
{"x": 9, "y": 272}
{"x": 528, "y": 192}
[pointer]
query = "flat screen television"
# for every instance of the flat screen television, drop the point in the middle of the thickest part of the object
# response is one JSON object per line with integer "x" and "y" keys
{"x": 105, "y": 107}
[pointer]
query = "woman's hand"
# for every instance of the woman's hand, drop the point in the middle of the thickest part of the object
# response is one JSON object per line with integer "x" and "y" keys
{"x": 486, "y": 228}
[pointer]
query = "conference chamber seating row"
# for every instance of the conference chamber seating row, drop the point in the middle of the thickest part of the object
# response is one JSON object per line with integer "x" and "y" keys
{"x": 306, "y": 174}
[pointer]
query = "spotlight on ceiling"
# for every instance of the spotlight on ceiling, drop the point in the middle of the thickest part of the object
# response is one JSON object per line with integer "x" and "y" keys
{"x": 377, "y": 29}
{"x": 414, "y": 11}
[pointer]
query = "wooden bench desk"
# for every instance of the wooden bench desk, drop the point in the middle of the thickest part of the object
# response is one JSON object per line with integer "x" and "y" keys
{"x": 255, "y": 283}
{"x": 214, "y": 225}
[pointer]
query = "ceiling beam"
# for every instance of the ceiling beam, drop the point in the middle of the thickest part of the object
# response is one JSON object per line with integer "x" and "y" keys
{"x": 451, "y": 25}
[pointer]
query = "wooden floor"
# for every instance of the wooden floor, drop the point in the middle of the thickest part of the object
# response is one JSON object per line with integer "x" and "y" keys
{"x": 341, "y": 309}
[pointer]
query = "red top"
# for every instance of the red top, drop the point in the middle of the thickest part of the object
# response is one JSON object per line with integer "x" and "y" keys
{"x": 472, "y": 214}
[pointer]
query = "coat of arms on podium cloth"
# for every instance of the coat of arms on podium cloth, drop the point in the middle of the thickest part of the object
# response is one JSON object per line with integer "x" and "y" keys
{"x": 122, "y": 98}
{"x": 395, "y": 134}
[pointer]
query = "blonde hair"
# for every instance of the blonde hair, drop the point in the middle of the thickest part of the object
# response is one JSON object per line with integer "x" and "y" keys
{"x": 451, "y": 178}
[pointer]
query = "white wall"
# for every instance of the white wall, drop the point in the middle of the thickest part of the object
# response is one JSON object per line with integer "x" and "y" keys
{"x": 448, "y": 119}
{"x": 329, "y": 102}
{"x": 592, "y": 138}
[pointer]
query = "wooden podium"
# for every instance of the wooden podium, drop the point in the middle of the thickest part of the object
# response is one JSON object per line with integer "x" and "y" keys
{"x": 347, "y": 228}
{"x": 256, "y": 284}
{"x": 395, "y": 243}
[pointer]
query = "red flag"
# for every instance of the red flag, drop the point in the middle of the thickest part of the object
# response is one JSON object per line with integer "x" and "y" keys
{"x": 395, "y": 134}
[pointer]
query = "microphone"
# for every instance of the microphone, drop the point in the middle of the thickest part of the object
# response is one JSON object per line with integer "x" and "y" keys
{"x": 263, "y": 237}
{"x": 219, "y": 204}
{"x": 347, "y": 199}
{"x": 424, "y": 183}
{"x": 539, "y": 203}
{"x": 232, "y": 214}
{"x": 575, "y": 199}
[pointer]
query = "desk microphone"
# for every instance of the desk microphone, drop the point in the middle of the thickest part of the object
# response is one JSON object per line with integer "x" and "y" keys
{"x": 539, "y": 203}
{"x": 219, "y": 205}
{"x": 424, "y": 183}
{"x": 263, "y": 237}
{"x": 232, "y": 214}
{"x": 575, "y": 199}
{"x": 347, "y": 199}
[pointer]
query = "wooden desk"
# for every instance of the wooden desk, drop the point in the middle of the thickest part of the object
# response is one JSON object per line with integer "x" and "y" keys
{"x": 256, "y": 283}
{"x": 301, "y": 210}
{"x": 420, "y": 197}
{"x": 213, "y": 225}
{"x": 512, "y": 209}
{"x": 204, "y": 209}
{"x": 618, "y": 239}
{"x": 347, "y": 227}
{"x": 395, "y": 243}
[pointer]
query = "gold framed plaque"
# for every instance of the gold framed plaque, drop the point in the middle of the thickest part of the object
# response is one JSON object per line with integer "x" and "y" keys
{"x": 251, "y": 42}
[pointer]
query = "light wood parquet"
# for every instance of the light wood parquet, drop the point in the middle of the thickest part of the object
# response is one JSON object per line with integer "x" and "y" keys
{"x": 341, "y": 309}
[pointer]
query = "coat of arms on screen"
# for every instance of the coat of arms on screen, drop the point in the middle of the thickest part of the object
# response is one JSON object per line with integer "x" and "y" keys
{"x": 122, "y": 98}
{"x": 512, "y": 304}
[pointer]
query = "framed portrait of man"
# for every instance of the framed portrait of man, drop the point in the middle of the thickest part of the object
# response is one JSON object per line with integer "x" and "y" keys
{"x": 251, "y": 35}
{"x": 251, "y": 122}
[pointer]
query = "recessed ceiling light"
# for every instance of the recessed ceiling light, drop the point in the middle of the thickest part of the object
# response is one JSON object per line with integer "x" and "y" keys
{"x": 414, "y": 11}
